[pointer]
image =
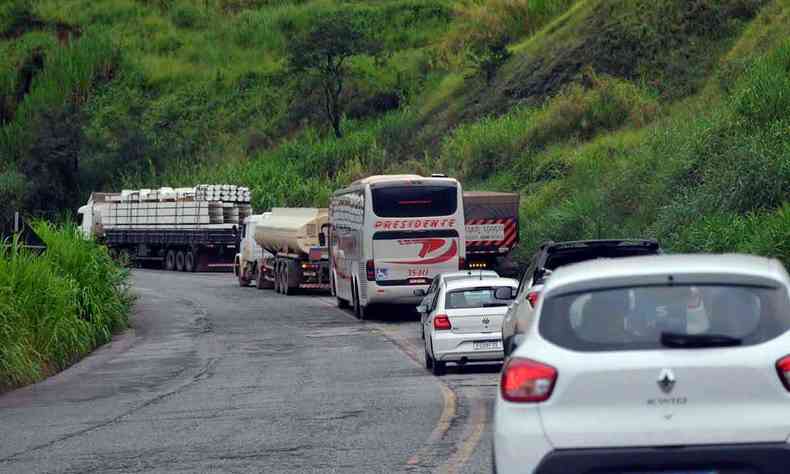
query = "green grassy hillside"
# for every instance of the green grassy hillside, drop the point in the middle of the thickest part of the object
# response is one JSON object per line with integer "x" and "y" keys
{"x": 662, "y": 118}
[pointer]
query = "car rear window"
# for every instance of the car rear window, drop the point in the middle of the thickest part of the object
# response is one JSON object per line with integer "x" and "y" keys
{"x": 640, "y": 318}
{"x": 482, "y": 297}
{"x": 415, "y": 201}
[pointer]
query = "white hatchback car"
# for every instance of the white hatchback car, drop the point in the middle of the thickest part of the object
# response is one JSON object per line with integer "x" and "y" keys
{"x": 668, "y": 364}
{"x": 439, "y": 281}
{"x": 464, "y": 322}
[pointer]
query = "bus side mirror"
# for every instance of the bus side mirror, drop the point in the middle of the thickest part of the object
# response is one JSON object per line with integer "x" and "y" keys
{"x": 322, "y": 239}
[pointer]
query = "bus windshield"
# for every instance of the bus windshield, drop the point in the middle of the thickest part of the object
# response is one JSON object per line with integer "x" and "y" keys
{"x": 415, "y": 201}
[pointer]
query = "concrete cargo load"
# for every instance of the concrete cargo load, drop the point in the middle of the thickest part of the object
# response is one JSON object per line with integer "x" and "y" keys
{"x": 291, "y": 230}
{"x": 491, "y": 227}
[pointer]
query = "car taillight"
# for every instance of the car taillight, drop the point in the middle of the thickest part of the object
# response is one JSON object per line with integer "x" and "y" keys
{"x": 527, "y": 381}
{"x": 461, "y": 263}
{"x": 783, "y": 367}
{"x": 532, "y": 297}
{"x": 370, "y": 268}
{"x": 441, "y": 322}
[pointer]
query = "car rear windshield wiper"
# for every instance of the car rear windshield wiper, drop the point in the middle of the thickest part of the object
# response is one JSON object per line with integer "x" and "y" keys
{"x": 697, "y": 341}
{"x": 494, "y": 305}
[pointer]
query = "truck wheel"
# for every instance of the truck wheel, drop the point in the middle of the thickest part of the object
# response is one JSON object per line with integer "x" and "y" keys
{"x": 286, "y": 279}
{"x": 189, "y": 262}
{"x": 170, "y": 261}
{"x": 243, "y": 282}
{"x": 180, "y": 261}
{"x": 341, "y": 303}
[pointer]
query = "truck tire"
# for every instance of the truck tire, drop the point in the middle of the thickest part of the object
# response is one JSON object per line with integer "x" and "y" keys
{"x": 170, "y": 260}
{"x": 286, "y": 273}
{"x": 180, "y": 261}
{"x": 189, "y": 262}
{"x": 243, "y": 280}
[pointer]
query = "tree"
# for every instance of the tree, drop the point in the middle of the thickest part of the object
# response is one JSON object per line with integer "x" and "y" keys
{"x": 52, "y": 167}
{"x": 488, "y": 53}
{"x": 321, "y": 53}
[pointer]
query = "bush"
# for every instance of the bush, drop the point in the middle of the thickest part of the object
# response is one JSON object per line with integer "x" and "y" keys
{"x": 56, "y": 307}
{"x": 186, "y": 15}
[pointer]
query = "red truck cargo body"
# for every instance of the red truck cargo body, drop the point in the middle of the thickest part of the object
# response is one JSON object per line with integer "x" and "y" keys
{"x": 491, "y": 225}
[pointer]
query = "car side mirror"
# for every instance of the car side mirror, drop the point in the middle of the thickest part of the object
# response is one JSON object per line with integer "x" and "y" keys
{"x": 420, "y": 292}
{"x": 422, "y": 309}
{"x": 504, "y": 293}
{"x": 322, "y": 239}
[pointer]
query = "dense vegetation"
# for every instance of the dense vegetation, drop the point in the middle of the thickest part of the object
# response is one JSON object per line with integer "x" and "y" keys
{"x": 57, "y": 306}
{"x": 663, "y": 118}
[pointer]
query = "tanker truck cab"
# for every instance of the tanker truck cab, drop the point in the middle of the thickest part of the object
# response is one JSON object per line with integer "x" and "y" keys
{"x": 391, "y": 235}
{"x": 251, "y": 255}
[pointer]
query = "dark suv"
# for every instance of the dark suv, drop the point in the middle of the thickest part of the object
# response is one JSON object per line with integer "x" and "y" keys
{"x": 552, "y": 255}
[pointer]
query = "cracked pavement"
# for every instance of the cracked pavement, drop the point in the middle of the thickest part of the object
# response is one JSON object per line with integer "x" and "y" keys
{"x": 217, "y": 378}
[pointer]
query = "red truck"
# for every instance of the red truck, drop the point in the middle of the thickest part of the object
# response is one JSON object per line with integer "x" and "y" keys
{"x": 491, "y": 229}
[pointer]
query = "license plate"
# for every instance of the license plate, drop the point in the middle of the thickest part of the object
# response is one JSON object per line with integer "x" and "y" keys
{"x": 418, "y": 281}
{"x": 487, "y": 345}
{"x": 308, "y": 274}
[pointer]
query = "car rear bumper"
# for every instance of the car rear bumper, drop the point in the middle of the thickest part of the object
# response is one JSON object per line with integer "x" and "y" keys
{"x": 450, "y": 347}
{"x": 773, "y": 458}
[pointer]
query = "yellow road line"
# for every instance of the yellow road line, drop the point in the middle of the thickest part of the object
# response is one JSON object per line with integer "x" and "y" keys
{"x": 469, "y": 440}
{"x": 477, "y": 420}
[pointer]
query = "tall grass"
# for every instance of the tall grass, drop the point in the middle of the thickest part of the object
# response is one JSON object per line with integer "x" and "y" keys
{"x": 713, "y": 176}
{"x": 515, "y": 19}
{"x": 476, "y": 150}
{"x": 58, "y": 306}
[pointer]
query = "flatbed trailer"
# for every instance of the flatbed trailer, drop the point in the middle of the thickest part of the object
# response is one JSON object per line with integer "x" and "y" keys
{"x": 182, "y": 229}
{"x": 190, "y": 250}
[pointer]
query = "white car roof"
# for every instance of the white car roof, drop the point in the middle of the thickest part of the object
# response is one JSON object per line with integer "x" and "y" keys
{"x": 470, "y": 274}
{"x": 662, "y": 269}
{"x": 475, "y": 282}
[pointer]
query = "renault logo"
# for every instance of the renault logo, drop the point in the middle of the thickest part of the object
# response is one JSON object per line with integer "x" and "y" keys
{"x": 666, "y": 381}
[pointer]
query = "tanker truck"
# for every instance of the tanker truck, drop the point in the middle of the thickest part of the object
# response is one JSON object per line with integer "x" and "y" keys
{"x": 251, "y": 255}
{"x": 296, "y": 240}
{"x": 182, "y": 229}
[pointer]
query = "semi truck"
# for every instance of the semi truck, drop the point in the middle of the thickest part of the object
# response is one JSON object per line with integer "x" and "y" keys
{"x": 178, "y": 229}
{"x": 295, "y": 239}
{"x": 491, "y": 220}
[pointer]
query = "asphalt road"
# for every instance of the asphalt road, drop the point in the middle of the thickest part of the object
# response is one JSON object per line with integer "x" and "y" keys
{"x": 217, "y": 378}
